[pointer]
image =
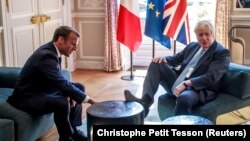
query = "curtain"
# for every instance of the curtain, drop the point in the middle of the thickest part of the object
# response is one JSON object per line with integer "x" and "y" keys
{"x": 222, "y": 21}
{"x": 112, "y": 54}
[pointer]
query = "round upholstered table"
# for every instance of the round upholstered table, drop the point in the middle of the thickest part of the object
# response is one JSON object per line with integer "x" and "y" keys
{"x": 187, "y": 120}
{"x": 114, "y": 112}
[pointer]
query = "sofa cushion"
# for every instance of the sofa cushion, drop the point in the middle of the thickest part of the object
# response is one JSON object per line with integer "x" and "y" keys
{"x": 8, "y": 76}
{"x": 27, "y": 127}
{"x": 24, "y": 122}
{"x": 236, "y": 81}
{"x": 224, "y": 103}
{"x": 5, "y": 93}
{"x": 7, "y": 130}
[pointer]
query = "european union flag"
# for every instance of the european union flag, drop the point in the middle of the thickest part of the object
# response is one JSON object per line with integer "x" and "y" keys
{"x": 154, "y": 22}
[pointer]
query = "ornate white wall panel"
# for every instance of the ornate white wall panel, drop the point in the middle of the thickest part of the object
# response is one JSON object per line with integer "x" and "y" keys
{"x": 50, "y": 6}
{"x": 20, "y": 35}
{"x": 92, "y": 31}
{"x": 91, "y": 50}
{"x": 49, "y": 28}
{"x": 26, "y": 8}
{"x": 89, "y": 19}
{"x": 90, "y": 4}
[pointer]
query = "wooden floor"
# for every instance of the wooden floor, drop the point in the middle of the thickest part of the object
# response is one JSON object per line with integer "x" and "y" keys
{"x": 102, "y": 86}
{"x": 109, "y": 86}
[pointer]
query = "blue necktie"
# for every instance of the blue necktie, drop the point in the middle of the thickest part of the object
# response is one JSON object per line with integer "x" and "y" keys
{"x": 188, "y": 69}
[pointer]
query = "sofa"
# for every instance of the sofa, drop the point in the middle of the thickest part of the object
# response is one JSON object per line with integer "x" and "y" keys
{"x": 16, "y": 125}
{"x": 234, "y": 94}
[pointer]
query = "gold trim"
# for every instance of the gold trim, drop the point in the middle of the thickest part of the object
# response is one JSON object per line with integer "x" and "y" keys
{"x": 39, "y": 19}
{"x": 44, "y": 18}
{"x": 35, "y": 19}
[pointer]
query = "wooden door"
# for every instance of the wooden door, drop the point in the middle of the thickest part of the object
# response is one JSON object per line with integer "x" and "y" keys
{"x": 29, "y": 24}
{"x": 53, "y": 11}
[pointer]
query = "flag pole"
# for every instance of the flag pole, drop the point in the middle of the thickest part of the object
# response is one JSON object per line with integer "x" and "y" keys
{"x": 131, "y": 76}
{"x": 153, "y": 49}
{"x": 174, "y": 46}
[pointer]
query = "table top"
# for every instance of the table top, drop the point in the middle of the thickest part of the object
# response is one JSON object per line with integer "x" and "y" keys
{"x": 115, "y": 109}
{"x": 187, "y": 120}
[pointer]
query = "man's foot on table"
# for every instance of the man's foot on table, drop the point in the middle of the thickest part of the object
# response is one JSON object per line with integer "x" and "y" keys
{"x": 130, "y": 97}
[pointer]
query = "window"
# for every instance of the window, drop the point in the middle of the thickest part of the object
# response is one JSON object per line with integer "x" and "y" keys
{"x": 197, "y": 10}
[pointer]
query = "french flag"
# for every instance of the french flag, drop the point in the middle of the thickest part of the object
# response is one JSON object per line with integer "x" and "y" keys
{"x": 129, "y": 26}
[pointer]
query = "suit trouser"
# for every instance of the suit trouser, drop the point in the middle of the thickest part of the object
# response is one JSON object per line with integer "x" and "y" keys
{"x": 66, "y": 117}
{"x": 163, "y": 74}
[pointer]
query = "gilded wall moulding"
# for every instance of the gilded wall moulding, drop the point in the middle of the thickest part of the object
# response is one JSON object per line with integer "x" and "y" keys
{"x": 92, "y": 3}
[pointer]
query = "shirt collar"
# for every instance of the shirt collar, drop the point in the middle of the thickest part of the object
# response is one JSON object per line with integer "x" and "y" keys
{"x": 57, "y": 51}
{"x": 205, "y": 49}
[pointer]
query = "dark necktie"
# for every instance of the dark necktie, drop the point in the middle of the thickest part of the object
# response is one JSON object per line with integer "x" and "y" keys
{"x": 60, "y": 60}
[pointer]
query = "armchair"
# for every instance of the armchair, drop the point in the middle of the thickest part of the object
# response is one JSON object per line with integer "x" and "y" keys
{"x": 234, "y": 94}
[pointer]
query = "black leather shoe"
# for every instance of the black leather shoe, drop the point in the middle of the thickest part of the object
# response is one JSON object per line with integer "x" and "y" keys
{"x": 79, "y": 136}
{"x": 130, "y": 97}
{"x": 65, "y": 139}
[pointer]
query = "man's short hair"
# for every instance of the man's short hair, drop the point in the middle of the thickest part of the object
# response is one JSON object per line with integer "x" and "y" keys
{"x": 64, "y": 31}
{"x": 202, "y": 24}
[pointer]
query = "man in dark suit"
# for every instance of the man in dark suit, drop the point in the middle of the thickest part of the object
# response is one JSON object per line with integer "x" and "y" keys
{"x": 200, "y": 82}
{"x": 41, "y": 87}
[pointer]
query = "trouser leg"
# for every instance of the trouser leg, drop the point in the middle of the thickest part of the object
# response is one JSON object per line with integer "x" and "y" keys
{"x": 157, "y": 74}
{"x": 60, "y": 106}
{"x": 76, "y": 116}
{"x": 186, "y": 101}
{"x": 76, "y": 111}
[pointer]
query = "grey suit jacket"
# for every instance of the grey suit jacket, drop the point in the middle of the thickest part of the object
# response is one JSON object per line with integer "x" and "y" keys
{"x": 209, "y": 70}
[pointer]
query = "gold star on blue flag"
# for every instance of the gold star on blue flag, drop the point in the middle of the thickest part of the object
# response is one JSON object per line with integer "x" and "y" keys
{"x": 154, "y": 22}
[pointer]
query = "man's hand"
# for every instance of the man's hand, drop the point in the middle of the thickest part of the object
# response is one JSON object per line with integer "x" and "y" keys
{"x": 72, "y": 102}
{"x": 159, "y": 60}
{"x": 92, "y": 101}
{"x": 178, "y": 89}
{"x": 181, "y": 87}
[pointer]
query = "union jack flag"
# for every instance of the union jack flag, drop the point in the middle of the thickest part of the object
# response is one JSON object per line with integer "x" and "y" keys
{"x": 175, "y": 21}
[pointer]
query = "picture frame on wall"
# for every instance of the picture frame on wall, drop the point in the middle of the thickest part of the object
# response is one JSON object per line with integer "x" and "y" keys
{"x": 241, "y": 5}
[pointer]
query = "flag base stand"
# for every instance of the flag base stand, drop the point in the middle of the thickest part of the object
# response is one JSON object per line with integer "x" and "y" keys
{"x": 128, "y": 77}
{"x": 131, "y": 76}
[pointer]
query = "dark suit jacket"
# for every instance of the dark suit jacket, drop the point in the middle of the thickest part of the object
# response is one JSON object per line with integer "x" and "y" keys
{"x": 209, "y": 70}
{"x": 41, "y": 75}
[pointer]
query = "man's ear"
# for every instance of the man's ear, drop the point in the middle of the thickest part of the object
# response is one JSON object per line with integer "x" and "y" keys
{"x": 61, "y": 39}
